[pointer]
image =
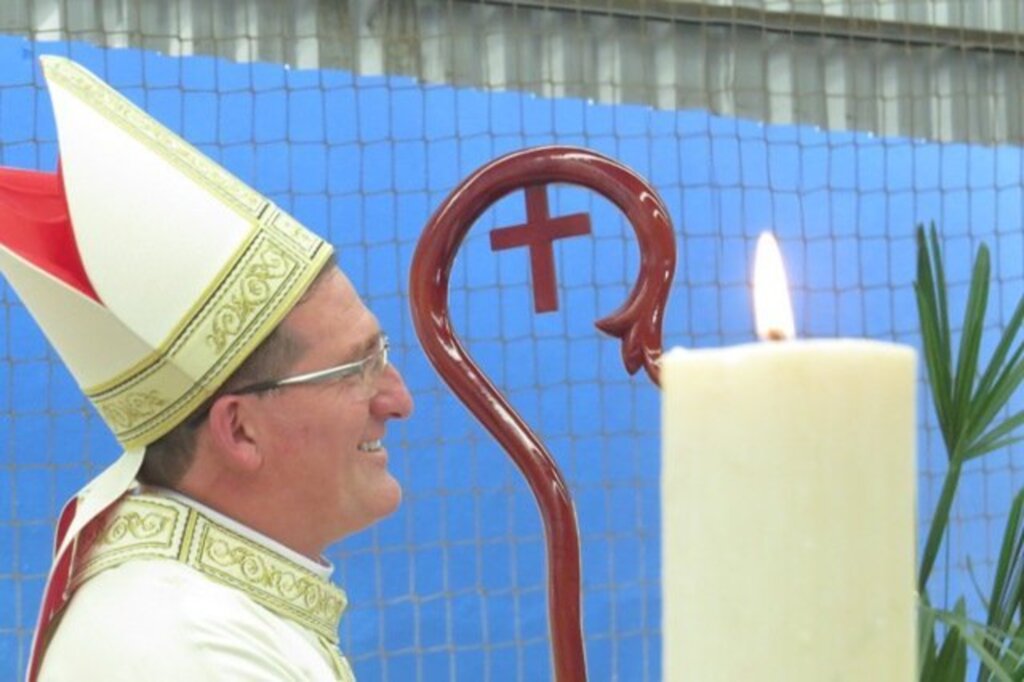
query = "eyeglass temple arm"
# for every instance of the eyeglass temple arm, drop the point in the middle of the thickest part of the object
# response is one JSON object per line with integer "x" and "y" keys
{"x": 637, "y": 322}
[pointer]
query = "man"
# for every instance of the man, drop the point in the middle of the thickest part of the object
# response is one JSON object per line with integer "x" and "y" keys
{"x": 246, "y": 380}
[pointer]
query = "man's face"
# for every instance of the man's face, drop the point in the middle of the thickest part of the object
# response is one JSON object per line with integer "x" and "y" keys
{"x": 322, "y": 439}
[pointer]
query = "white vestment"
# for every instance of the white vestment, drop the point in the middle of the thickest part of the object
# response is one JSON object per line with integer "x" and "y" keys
{"x": 171, "y": 590}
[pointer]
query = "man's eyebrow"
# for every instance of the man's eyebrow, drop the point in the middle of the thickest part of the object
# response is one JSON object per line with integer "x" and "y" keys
{"x": 363, "y": 349}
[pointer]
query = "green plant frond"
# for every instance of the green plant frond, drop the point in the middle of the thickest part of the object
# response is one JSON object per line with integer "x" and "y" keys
{"x": 970, "y": 340}
{"x": 991, "y": 446}
{"x": 967, "y": 401}
{"x": 929, "y": 288}
{"x": 931, "y": 283}
{"x": 938, "y": 526}
{"x": 927, "y": 649}
{"x": 934, "y": 360}
{"x": 979, "y": 591}
{"x": 980, "y": 638}
{"x": 941, "y": 296}
{"x": 1008, "y": 583}
{"x": 940, "y": 386}
{"x": 950, "y": 662}
{"x": 970, "y": 398}
{"x": 998, "y": 436}
{"x": 991, "y": 399}
{"x": 1004, "y": 610}
{"x": 995, "y": 364}
{"x": 1013, "y": 657}
{"x": 1006, "y": 640}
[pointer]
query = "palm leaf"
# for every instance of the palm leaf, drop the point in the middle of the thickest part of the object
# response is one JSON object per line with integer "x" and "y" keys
{"x": 929, "y": 288}
{"x": 968, "y": 400}
{"x": 987, "y": 405}
{"x": 927, "y": 650}
{"x": 996, "y": 439}
{"x": 970, "y": 347}
{"x": 993, "y": 382}
{"x": 950, "y": 663}
{"x": 1007, "y": 587}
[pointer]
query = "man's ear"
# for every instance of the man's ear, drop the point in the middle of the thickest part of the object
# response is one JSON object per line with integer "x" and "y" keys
{"x": 233, "y": 430}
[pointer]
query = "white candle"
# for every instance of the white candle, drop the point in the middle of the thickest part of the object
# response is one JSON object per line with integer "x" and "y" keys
{"x": 788, "y": 513}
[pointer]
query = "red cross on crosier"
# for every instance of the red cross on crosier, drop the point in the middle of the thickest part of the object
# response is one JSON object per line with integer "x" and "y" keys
{"x": 539, "y": 232}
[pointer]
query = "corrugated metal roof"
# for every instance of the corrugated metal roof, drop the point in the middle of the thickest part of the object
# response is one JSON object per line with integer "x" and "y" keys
{"x": 923, "y": 69}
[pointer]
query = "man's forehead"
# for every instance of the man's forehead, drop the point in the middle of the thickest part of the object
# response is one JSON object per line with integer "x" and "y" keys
{"x": 332, "y": 294}
{"x": 333, "y": 317}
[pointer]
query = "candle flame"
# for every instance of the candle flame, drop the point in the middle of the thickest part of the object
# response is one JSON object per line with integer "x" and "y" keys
{"x": 773, "y": 311}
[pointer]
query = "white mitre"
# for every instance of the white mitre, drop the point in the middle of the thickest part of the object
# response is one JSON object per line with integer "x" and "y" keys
{"x": 151, "y": 269}
{"x": 191, "y": 268}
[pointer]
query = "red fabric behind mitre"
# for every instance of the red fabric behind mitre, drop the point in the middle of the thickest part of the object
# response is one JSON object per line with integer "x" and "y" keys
{"x": 35, "y": 224}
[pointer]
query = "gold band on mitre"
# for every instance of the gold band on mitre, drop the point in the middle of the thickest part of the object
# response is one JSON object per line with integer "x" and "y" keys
{"x": 258, "y": 288}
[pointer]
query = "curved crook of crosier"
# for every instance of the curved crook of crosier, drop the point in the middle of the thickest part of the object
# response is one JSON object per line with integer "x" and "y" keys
{"x": 637, "y": 322}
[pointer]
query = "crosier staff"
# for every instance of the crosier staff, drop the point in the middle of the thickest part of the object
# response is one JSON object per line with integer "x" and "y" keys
{"x": 637, "y": 323}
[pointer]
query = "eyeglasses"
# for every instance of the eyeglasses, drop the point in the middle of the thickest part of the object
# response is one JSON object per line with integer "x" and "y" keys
{"x": 368, "y": 370}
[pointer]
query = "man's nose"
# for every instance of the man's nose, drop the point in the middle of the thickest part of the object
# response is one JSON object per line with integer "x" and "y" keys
{"x": 393, "y": 400}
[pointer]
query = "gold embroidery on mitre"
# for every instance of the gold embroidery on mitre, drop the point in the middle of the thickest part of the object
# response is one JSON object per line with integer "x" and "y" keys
{"x": 129, "y": 409}
{"x": 258, "y": 289}
{"x": 255, "y": 289}
{"x": 291, "y": 229}
{"x": 153, "y": 527}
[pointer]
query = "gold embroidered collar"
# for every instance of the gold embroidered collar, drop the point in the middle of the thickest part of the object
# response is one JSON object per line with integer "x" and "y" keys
{"x": 148, "y": 526}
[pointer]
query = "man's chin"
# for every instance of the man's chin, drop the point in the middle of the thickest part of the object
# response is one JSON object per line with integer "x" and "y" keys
{"x": 385, "y": 503}
{"x": 388, "y": 498}
{"x": 397, "y": 497}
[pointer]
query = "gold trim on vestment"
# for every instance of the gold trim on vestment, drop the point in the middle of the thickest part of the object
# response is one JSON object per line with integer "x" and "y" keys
{"x": 154, "y": 527}
{"x": 270, "y": 271}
